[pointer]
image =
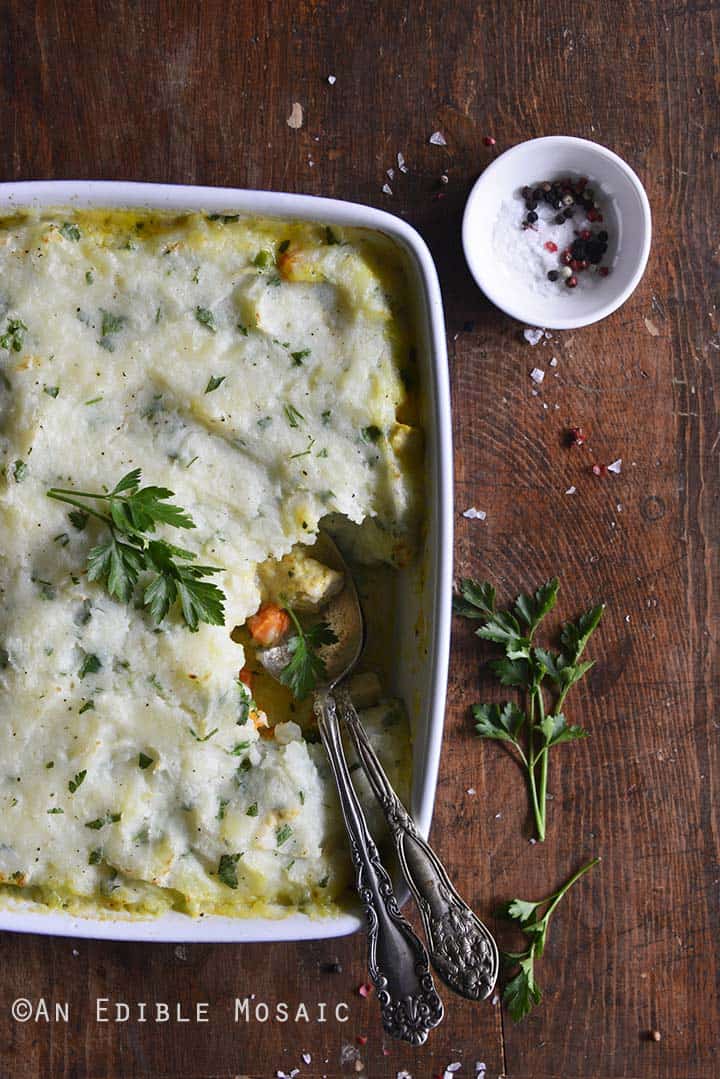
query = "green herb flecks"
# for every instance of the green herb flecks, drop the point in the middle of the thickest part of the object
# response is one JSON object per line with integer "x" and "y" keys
{"x": 213, "y": 382}
{"x": 144, "y": 761}
{"x": 526, "y": 667}
{"x": 306, "y": 668}
{"x": 77, "y": 780}
{"x": 252, "y": 810}
{"x": 300, "y": 355}
{"x": 206, "y": 318}
{"x": 227, "y": 869}
{"x": 20, "y": 470}
{"x": 282, "y": 834}
{"x": 70, "y": 231}
{"x": 203, "y": 738}
{"x": 90, "y": 665}
{"x": 292, "y": 415}
{"x": 522, "y": 992}
{"x": 133, "y": 514}
{"x": 51, "y": 391}
{"x": 110, "y": 325}
{"x": 12, "y": 337}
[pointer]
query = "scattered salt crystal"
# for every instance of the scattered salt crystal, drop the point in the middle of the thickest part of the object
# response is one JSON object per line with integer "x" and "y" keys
{"x": 306, "y": 1058}
{"x": 651, "y": 327}
{"x": 498, "y": 816}
{"x": 332, "y": 79}
{"x": 534, "y": 393}
{"x": 480, "y": 1066}
{"x": 454, "y": 1067}
{"x": 387, "y": 190}
{"x": 438, "y": 139}
{"x": 545, "y": 405}
{"x": 404, "y": 1075}
{"x": 553, "y": 362}
{"x": 537, "y": 375}
{"x": 75, "y": 952}
{"x": 474, "y": 514}
{"x": 295, "y": 119}
{"x": 401, "y": 162}
{"x": 533, "y": 842}
{"x": 571, "y": 490}
{"x": 627, "y": 617}
{"x": 444, "y": 179}
{"x": 533, "y": 337}
{"x": 390, "y": 173}
{"x": 471, "y": 791}
{"x": 616, "y": 466}
{"x": 294, "y": 1072}
{"x": 495, "y": 1001}
{"x": 619, "y": 507}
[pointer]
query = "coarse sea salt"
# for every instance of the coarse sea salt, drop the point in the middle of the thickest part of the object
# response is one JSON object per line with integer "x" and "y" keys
{"x": 533, "y": 336}
{"x": 520, "y": 255}
{"x": 437, "y": 139}
{"x": 474, "y": 514}
{"x": 616, "y": 466}
{"x": 537, "y": 375}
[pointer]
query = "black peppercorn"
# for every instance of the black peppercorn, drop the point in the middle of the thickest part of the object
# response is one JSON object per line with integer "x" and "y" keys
{"x": 560, "y": 219}
{"x": 531, "y": 218}
{"x": 602, "y": 235}
{"x": 553, "y": 275}
{"x": 530, "y": 204}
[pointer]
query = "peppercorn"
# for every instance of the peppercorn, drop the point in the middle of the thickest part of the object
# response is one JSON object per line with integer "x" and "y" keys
{"x": 560, "y": 219}
{"x": 566, "y": 257}
{"x": 576, "y": 437}
{"x": 568, "y": 200}
{"x": 531, "y": 204}
{"x": 604, "y": 271}
{"x": 550, "y": 246}
{"x": 546, "y": 186}
{"x": 571, "y": 282}
{"x": 602, "y": 235}
{"x": 538, "y": 193}
{"x": 567, "y": 214}
{"x": 526, "y": 193}
{"x": 564, "y": 272}
{"x": 531, "y": 218}
{"x": 553, "y": 275}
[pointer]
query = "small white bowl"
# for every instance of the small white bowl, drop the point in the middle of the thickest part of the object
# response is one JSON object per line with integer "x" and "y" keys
{"x": 529, "y": 297}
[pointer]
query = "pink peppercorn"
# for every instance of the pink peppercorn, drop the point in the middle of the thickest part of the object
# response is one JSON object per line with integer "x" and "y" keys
{"x": 571, "y": 282}
{"x": 550, "y": 246}
{"x": 489, "y": 140}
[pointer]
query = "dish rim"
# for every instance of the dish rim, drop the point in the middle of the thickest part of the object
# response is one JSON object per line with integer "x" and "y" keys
{"x": 172, "y": 926}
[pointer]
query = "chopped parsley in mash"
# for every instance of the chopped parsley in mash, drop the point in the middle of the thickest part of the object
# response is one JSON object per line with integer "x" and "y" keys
{"x": 261, "y": 372}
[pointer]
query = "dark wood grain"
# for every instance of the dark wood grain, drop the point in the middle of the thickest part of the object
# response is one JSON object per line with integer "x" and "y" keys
{"x": 199, "y": 93}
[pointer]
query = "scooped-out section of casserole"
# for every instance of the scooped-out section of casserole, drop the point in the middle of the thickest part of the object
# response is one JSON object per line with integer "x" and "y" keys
{"x": 198, "y": 394}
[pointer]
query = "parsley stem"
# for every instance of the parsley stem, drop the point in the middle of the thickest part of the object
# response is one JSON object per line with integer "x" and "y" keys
{"x": 531, "y": 762}
{"x": 60, "y": 495}
{"x": 558, "y": 895}
{"x": 543, "y": 756}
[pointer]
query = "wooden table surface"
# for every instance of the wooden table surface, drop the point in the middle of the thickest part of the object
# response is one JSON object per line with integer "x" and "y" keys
{"x": 200, "y": 93}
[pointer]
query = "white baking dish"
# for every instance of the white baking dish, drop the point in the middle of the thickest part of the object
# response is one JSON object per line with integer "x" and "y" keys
{"x": 422, "y": 659}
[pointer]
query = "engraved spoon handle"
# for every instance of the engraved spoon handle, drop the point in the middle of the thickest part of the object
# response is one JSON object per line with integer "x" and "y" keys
{"x": 462, "y": 950}
{"x": 397, "y": 960}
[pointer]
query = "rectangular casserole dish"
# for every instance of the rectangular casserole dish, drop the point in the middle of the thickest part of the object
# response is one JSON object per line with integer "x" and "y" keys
{"x": 424, "y": 595}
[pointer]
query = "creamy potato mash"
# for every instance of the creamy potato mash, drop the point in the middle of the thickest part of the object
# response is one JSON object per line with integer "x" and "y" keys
{"x": 264, "y": 372}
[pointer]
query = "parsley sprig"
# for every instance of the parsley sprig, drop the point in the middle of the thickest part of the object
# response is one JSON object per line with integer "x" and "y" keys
{"x": 133, "y": 512}
{"x": 525, "y": 666}
{"x": 306, "y": 668}
{"x": 522, "y": 992}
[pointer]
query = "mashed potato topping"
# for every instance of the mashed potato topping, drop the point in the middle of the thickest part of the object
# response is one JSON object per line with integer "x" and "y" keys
{"x": 263, "y": 371}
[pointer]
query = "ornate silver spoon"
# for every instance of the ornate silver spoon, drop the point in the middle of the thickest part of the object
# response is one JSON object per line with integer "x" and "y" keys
{"x": 462, "y": 950}
{"x": 397, "y": 960}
